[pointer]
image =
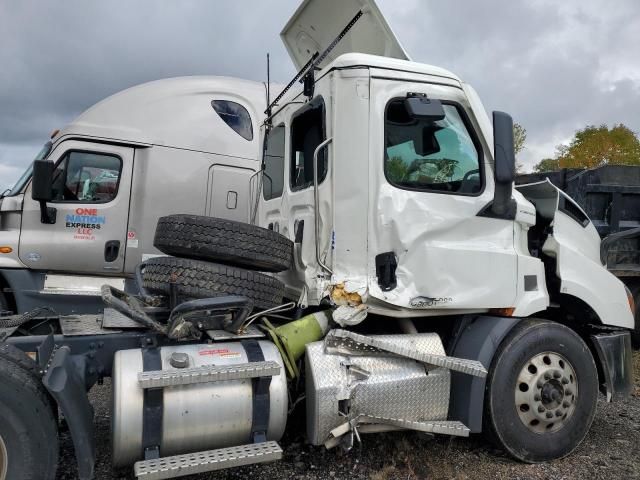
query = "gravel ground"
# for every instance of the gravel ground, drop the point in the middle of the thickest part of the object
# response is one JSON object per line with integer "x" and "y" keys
{"x": 610, "y": 451}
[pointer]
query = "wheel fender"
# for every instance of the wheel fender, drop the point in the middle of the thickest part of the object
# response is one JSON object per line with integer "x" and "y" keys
{"x": 478, "y": 339}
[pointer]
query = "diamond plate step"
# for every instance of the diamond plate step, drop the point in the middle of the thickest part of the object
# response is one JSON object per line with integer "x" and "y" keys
{"x": 208, "y": 461}
{"x": 443, "y": 427}
{"x": 206, "y": 374}
{"x": 343, "y": 341}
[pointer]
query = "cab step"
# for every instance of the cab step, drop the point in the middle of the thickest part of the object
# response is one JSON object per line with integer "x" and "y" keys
{"x": 206, "y": 374}
{"x": 208, "y": 461}
{"x": 352, "y": 343}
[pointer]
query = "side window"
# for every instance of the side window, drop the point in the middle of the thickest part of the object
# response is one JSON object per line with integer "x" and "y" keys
{"x": 236, "y": 116}
{"x": 86, "y": 177}
{"x": 436, "y": 156}
{"x": 307, "y": 132}
{"x": 273, "y": 178}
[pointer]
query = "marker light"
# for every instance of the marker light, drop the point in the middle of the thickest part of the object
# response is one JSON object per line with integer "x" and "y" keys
{"x": 55, "y": 132}
{"x": 6, "y": 249}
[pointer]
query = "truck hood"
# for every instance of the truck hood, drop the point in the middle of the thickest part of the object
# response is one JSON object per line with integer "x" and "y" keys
{"x": 575, "y": 246}
{"x": 316, "y": 23}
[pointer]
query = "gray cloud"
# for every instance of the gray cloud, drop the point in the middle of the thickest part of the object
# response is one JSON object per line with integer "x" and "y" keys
{"x": 555, "y": 67}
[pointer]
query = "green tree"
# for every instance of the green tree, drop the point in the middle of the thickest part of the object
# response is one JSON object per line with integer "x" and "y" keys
{"x": 546, "y": 165}
{"x": 597, "y": 146}
{"x": 519, "y": 139}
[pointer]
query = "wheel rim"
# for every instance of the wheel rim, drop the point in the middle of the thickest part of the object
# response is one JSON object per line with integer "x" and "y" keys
{"x": 546, "y": 392}
{"x": 3, "y": 460}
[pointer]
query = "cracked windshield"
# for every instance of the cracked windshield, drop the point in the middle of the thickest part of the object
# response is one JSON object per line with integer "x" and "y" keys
{"x": 426, "y": 155}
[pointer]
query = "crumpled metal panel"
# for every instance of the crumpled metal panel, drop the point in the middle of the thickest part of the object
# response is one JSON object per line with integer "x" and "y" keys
{"x": 376, "y": 386}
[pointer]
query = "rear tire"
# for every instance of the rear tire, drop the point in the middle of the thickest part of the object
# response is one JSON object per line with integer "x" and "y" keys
{"x": 28, "y": 428}
{"x": 196, "y": 279}
{"x": 223, "y": 241}
{"x": 541, "y": 393}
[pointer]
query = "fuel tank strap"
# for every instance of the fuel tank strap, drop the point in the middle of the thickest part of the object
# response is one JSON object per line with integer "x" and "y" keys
{"x": 152, "y": 407}
{"x": 260, "y": 385}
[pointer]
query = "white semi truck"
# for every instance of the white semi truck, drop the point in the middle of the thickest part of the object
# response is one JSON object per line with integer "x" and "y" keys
{"x": 410, "y": 286}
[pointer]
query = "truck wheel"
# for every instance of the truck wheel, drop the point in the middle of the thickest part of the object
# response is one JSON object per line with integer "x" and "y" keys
{"x": 196, "y": 279}
{"x": 28, "y": 429}
{"x": 223, "y": 241}
{"x": 541, "y": 392}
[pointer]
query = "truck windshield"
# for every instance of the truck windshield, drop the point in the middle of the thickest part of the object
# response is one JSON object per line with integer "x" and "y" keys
{"x": 433, "y": 156}
{"x": 24, "y": 178}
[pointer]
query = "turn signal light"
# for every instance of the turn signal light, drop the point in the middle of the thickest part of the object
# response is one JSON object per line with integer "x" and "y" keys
{"x": 5, "y": 249}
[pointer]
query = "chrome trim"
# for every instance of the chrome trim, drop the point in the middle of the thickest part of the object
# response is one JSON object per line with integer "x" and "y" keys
{"x": 316, "y": 201}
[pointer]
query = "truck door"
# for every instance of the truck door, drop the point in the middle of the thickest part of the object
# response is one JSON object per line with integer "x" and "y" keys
{"x": 91, "y": 190}
{"x": 431, "y": 183}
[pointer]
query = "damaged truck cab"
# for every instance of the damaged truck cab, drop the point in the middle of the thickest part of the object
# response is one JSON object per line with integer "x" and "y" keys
{"x": 407, "y": 210}
{"x": 397, "y": 189}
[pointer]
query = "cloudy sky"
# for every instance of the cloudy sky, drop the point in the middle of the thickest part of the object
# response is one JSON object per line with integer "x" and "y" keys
{"x": 555, "y": 66}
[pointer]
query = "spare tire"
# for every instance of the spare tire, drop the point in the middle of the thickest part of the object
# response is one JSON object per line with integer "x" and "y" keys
{"x": 197, "y": 279}
{"x": 223, "y": 241}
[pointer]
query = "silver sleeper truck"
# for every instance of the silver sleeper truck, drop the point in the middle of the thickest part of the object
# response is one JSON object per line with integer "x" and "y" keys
{"x": 179, "y": 145}
{"x": 390, "y": 278}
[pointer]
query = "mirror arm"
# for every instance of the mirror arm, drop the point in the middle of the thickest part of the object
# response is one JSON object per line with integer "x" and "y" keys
{"x": 47, "y": 214}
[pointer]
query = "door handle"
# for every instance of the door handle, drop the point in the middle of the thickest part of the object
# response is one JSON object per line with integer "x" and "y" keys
{"x": 111, "y": 250}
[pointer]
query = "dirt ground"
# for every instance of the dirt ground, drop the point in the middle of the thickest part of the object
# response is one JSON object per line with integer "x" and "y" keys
{"x": 610, "y": 451}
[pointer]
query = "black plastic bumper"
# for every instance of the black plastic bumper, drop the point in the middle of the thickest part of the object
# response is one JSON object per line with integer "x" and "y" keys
{"x": 614, "y": 356}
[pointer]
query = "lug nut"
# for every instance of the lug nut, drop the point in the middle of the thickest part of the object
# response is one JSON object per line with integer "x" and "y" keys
{"x": 558, "y": 413}
{"x": 557, "y": 374}
{"x": 547, "y": 376}
{"x": 540, "y": 384}
{"x": 541, "y": 408}
{"x": 565, "y": 381}
{"x": 568, "y": 392}
{"x": 566, "y": 404}
{"x": 549, "y": 415}
{"x": 537, "y": 397}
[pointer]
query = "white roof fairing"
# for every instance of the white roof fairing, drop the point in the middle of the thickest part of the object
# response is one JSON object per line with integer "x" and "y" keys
{"x": 176, "y": 112}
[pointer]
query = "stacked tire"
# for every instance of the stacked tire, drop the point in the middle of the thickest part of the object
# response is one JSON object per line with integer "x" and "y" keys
{"x": 212, "y": 257}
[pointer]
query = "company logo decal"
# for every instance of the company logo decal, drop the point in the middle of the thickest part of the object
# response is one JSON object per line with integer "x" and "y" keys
{"x": 85, "y": 221}
{"x": 33, "y": 257}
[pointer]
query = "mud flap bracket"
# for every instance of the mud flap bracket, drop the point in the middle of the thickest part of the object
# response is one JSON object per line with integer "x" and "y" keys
{"x": 63, "y": 381}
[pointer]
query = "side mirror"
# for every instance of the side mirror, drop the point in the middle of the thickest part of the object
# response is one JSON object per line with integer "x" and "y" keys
{"x": 42, "y": 190}
{"x": 422, "y": 108}
{"x": 505, "y": 163}
{"x": 42, "y": 178}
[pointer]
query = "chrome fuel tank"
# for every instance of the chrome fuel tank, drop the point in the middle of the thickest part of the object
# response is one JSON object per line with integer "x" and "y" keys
{"x": 195, "y": 417}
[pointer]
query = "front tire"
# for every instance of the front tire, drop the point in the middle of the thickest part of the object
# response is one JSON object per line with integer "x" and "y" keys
{"x": 541, "y": 392}
{"x": 28, "y": 428}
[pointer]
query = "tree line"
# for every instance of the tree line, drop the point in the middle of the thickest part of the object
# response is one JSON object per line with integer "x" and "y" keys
{"x": 592, "y": 146}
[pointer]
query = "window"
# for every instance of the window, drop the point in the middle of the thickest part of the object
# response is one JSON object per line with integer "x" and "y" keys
{"x": 273, "y": 175}
{"x": 425, "y": 155}
{"x": 86, "y": 177}
{"x": 236, "y": 116}
{"x": 307, "y": 132}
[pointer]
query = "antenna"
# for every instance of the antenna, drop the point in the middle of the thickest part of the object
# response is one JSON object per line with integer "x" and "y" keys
{"x": 315, "y": 60}
{"x": 268, "y": 87}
